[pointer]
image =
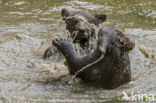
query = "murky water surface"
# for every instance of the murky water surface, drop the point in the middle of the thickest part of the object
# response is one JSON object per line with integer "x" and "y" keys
{"x": 27, "y": 28}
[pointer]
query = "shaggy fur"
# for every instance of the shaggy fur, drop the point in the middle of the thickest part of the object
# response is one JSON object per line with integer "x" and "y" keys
{"x": 109, "y": 72}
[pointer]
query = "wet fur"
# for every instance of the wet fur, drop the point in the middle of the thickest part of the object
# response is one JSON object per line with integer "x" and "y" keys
{"x": 82, "y": 24}
{"x": 82, "y": 27}
{"x": 112, "y": 70}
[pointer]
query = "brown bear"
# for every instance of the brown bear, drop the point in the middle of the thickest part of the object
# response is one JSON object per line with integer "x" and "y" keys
{"x": 82, "y": 26}
{"x": 108, "y": 66}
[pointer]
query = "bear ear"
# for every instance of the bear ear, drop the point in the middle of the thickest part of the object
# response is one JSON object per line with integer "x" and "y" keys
{"x": 99, "y": 18}
{"x": 130, "y": 45}
{"x": 65, "y": 13}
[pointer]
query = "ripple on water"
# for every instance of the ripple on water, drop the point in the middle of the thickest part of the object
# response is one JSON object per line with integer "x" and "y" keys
{"x": 25, "y": 34}
{"x": 19, "y": 3}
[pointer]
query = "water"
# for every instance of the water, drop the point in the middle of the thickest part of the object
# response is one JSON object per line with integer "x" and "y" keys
{"x": 27, "y": 28}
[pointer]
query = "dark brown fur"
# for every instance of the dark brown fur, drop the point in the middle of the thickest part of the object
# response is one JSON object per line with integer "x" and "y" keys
{"x": 84, "y": 29}
{"x": 91, "y": 18}
{"x": 82, "y": 23}
{"x": 112, "y": 70}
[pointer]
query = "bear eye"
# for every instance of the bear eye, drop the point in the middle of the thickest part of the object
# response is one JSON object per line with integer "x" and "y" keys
{"x": 122, "y": 43}
{"x": 75, "y": 21}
